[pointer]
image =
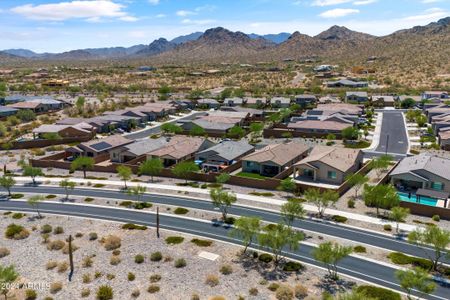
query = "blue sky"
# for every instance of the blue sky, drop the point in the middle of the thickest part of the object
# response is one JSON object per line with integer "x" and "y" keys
{"x": 61, "y": 25}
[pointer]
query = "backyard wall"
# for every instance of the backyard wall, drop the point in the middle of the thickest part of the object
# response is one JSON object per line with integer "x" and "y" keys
{"x": 426, "y": 210}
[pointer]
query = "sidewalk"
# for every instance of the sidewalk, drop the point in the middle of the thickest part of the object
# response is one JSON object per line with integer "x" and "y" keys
{"x": 266, "y": 200}
{"x": 376, "y": 133}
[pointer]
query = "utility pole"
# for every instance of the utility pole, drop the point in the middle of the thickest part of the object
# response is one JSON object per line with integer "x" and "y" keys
{"x": 70, "y": 258}
{"x": 157, "y": 222}
{"x": 387, "y": 143}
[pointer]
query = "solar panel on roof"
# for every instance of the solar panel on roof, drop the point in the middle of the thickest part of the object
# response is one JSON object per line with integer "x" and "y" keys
{"x": 101, "y": 146}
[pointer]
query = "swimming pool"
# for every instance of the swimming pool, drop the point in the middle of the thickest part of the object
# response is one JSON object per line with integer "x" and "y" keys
{"x": 422, "y": 200}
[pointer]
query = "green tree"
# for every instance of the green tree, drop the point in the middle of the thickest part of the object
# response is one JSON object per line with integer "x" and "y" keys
{"x": 412, "y": 114}
{"x": 222, "y": 200}
{"x": 197, "y": 131}
{"x": 170, "y": 128}
{"x": 51, "y": 136}
{"x": 290, "y": 211}
{"x": 421, "y": 120}
{"x": 68, "y": 186}
{"x": 256, "y": 128}
{"x": 124, "y": 173}
{"x": 7, "y": 276}
{"x": 247, "y": 229}
{"x": 381, "y": 164}
{"x": 223, "y": 178}
{"x": 185, "y": 168}
{"x": 33, "y": 172}
{"x": 331, "y": 137}
{"x": 416, "y": 279}
{"x": 26, "y": 115}
{"x": 80, "y": 104}
{"x": 236, "y": 132}
{"x": 381, "y": 196}
{"x": 277, "y": 237}
{"x": 432, "y": 236}
{"x": 34, "y": 202}
{"x": 350, "y": 133}
{"x": 137, "y": 191}
{"x": 330, "y": 254}
{"x": 407, "y": 103}
{"x": 287, "y": 185}
{"x": 357, "y": 180}
{"x": 151, "y": 167}
{"x": 83, "y": 163}
{"x": 398, "y": 214}
{"x": 321, "y": 200}
{"x": 7, "y": 182}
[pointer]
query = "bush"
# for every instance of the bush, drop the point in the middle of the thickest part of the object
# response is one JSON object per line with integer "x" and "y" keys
{"x": 98, "y": 185}
{"x": 142, "y": 205}
{"x": 351, "y": 203}
{"x": 172, "y": 240}
{"x": 88, "y": 199}
{"x": 17, "y": 196}
{"x": 300, "y": 291}
{"x": 264, "y": 257}
{"x": 4, "y": 252}
{"x": 284, "y": 292}
{"x": 51, "y": 265}
{"x": 212, "y": 280}
{"x": 156, "y": 256}
{"x": 46, "y": 228}
{"x": 116, "y": 252}
{"x": 126, "y": 203}
{"x": 377, "y": 292}
{"x": 359, "y": 249}
{"x": 17, "y": 232}
{"x": 131, "y": 276}
{"x": 110, "y": 276}
{"x": 58, "y": 230}
{"x": 202, "y": 243}
{"x": 292, "y": 266}
{"x": 105, "y": 292}
{"x": 153, "y": 288}
{"x": 273, "y": 286}
{"x": 63, "y": 267}
{"x": 339, "y": 219}
{"x": 85, "y": 292}
{"x": 56, "y": 245}
{"x": 114, "y": 260}
{"x": 155, "y": 278}
{"x": 139, "y": 259}
{"x": 93, "y": 236}
{"x": 180, "y": 263}
{"x": 436, "y": 218}
{"x": 30, "y": 295}
{"x": 112, "y": 242}
{"x": 253, "y": 291}
{"x": 55, "y": 287}
{"x": 181, "y": 211}
{"x": 135, "y": 293}
{"x": 87, "y": 262}
{"x": 50, "y": 196}
{"x": 226, "y": 269}
{"x": 403, "y": 259}
{"x": 387, "y": 227}
{"x": 17, "y": 216}
{"x": 131, "y": 226}
{"x": 87, "y": 278}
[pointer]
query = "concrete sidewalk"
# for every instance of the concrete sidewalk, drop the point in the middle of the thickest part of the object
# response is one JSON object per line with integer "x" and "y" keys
{"x": 266, "y": 200}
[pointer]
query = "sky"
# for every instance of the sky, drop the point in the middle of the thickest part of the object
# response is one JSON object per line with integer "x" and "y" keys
{"x": 63, "y": 25}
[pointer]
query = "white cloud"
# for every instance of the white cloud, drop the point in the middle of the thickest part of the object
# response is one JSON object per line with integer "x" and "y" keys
{"x": 198, "y": 22}
{"x": 364, "y": 2}
{"x": 430, "y": 1}
{"x": 328, "y": 2}
{"x": 184, "y": 13}
{"x": 128, "y": 19}
{"x": 153, "y": 2}
{"x": 159, "y": 16}
{"x": 429, "y": 15}
{"x": 338, "y": 12}
{"x": 92, "y": 10}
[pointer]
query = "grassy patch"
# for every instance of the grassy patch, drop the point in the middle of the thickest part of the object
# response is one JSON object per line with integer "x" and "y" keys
{"x": 173, "y": 240}
{"x": 378, "y": 293}
{"x": 130, "y": 226}
{"x": 403, "y": 259}
{"x": 357, "y": 145}
{"x": 202, "y": 243}
{"x": 251, "y": 175}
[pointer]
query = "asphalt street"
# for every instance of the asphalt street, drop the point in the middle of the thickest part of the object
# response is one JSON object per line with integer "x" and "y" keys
{"x": 358, "y": 268}
{"x": 393, "y": 137}
{"x": 335, "y": 230}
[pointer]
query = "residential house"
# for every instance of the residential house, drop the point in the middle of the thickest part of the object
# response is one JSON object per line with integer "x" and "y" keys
{"x": 223, "y": 154}
{"x": 305, "y": 100}
{"x": 427, "y": 171}
{"x": 280, "y": 102}
{"x": 7, "y": 111}
{"x": 132, "y": 112}
{"x": 435, "y": 111}
{"x": 434, "y": 94}
{"x": 319, "y": 128}
{"x": 98, "y": 147}
{"x": 259, "y": 102}
{"x": 328, "y": 165}
{"x": 328, "y": 99}
{"x": 137, "y": 149}
{"x": 233, "y": 101}
{"x": 383, "y": 101}
{"x": 208, "y": 103}
{"x": 347, "y": 83}
{"x": 35, "y": 106}
{"x": 254, "y": 114}
{"x": 80, "y": 131}
{"x": 108, "y": 123}
{"x": 274, "y": 158}
{"x": 356, "y": 97}
{"x": 444, "y": 138}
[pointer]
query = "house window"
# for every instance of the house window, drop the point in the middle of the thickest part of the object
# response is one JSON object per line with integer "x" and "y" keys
{"x": 332, "y": 175}
{"x": 250, "y": 164}
{"x": 308, "y": 173}
{"x": 437, "y": 186}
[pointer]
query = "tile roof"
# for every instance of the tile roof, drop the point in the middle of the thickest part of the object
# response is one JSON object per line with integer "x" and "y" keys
{"x": 230, "y": 150}
{"x": 425, "y": 161}
{"x": 341, "y": 159}
{"x": 319, "y": 124}
{"x": 107, "y": 143}
{"x": 179, "y": 147}
{"x": 279, "y": 154}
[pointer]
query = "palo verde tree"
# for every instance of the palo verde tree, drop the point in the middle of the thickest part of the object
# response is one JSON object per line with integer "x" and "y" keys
{"x": 34, "y": 202}
{"x": 124, "y": 173}
{"x": 381, "y": 164}
{"x": 432, "y": 236}
{"x": 322, "y": 200}
{"x": 222, "y": 200}
{"x": 33, "y": 172}
{"x": 8, "y": 275}
{"x": 247, "y": 229}
{"x": 415, "y": 279}
{"x": 381, "y": 196}
{"x": 330, "y": 254}
{"x": 68, "y": 186}
{"x": 137, "y": 191}
{"x": 151, "y": 167}
{"x": 290, "y": 211}
{"x": 82, "y": 163}
{"x": 223, "y": 178}
{"x": 357, "y": 180}
{"x": 183, "y": 169}
{"x": 398, "y": 214}
{"x": 7, "y": 182}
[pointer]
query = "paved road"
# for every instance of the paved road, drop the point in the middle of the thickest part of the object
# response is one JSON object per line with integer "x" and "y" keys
{"x": 352, "y": 266}
{"x": 354, "y": 234}
{"x": 393, "y": 126}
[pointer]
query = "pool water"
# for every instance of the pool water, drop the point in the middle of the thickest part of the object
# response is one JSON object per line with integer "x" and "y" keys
{"x": 422, "y": 200}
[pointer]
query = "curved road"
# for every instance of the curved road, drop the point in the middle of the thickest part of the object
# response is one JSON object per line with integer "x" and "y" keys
{"x": 335, "y": 230}
{"x": 351, "y": 266}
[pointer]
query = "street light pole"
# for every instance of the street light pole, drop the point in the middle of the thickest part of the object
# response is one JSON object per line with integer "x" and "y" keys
{"x": 387, "y": 143}
{"x": 157, "y": 222}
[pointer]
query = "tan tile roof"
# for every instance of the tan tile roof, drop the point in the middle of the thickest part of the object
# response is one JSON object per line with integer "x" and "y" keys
{"x": 339, "y": 158}
{"x": 25, "y": 104}
{"x": 179, "y": 147}
{"x": 279, "y": 154}
{"x": 317, "y": 124}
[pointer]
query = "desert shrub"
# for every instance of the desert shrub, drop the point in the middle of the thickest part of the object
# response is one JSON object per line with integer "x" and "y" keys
{"x": 87, "y": 278}
{"x": 180, "y": 211}
{"x": 88, "y": 199}
{"x": 226, "y": 269}
{"x": 378, "y": 292}
{"x": 139, "y": 259}
{"x": 65, "y": 249}
{"x": 359, "y": 249}
{"x": 16, "y": 232}
{"x": 284, "y": 292}
{"x": 110, "y": 276}
{"x": 111, "y": 242}
{"x": 51, "y": 265}
{"x": 217, "y": 298}
{"x": 17, "y": 216}
{"x": 30, "y": 295}
{"x": 4, "y": 252}
{"x": 131, "y": 276}
{"x": 202, "y": 243}
{"x": 339, "y": 219}
{"x": 156, "y": 256}
{"x": 403, "y": 259}
{"x": 105, "y": 292}
{"x": 142, "y": 205}
{"x": 351, "y": 203}
{"x": 253, "y": 291}
{"x": 155, "y": 278}
{"x": 114, "y": 260}
{"x": 292, "y": 266}
{"x": 58, "y": 230}
{"x": 87, "y": 262}
{"x": 173, "y": 240}
{"x": 387, "y": 227}
{"x": 116, "y": 252}
{"x": 63, "y": 266}
{"x": 93, "y": 236}
{"x": 50, "y": 196}
{"x": 56, "y": 245}
{"x": 98, "y": 185}
{"x": 131, "y": 226}
{"x": 436, "y": 218}
{"x": 195, "y": 297}
{"x": 17, "y": 196}
{"x": 55, "y": 287}
{"x": 98, "y": 274}
{"x": 300, "y": 291}
{"x": 78, "y": 235}
{"x": 212, "y": 280}
{"x": 273, "y": 286}
{"x": 264, "y": 257}
{"x": 126, "y": 203}
{"x": 48, "y": 298}
{"x": 85, "y": 292}
{"x": 180, "y": 263}
{"x": 46, "y": 228}
{"x": 153, "y": 288}
{"x": 135, "y": 293}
